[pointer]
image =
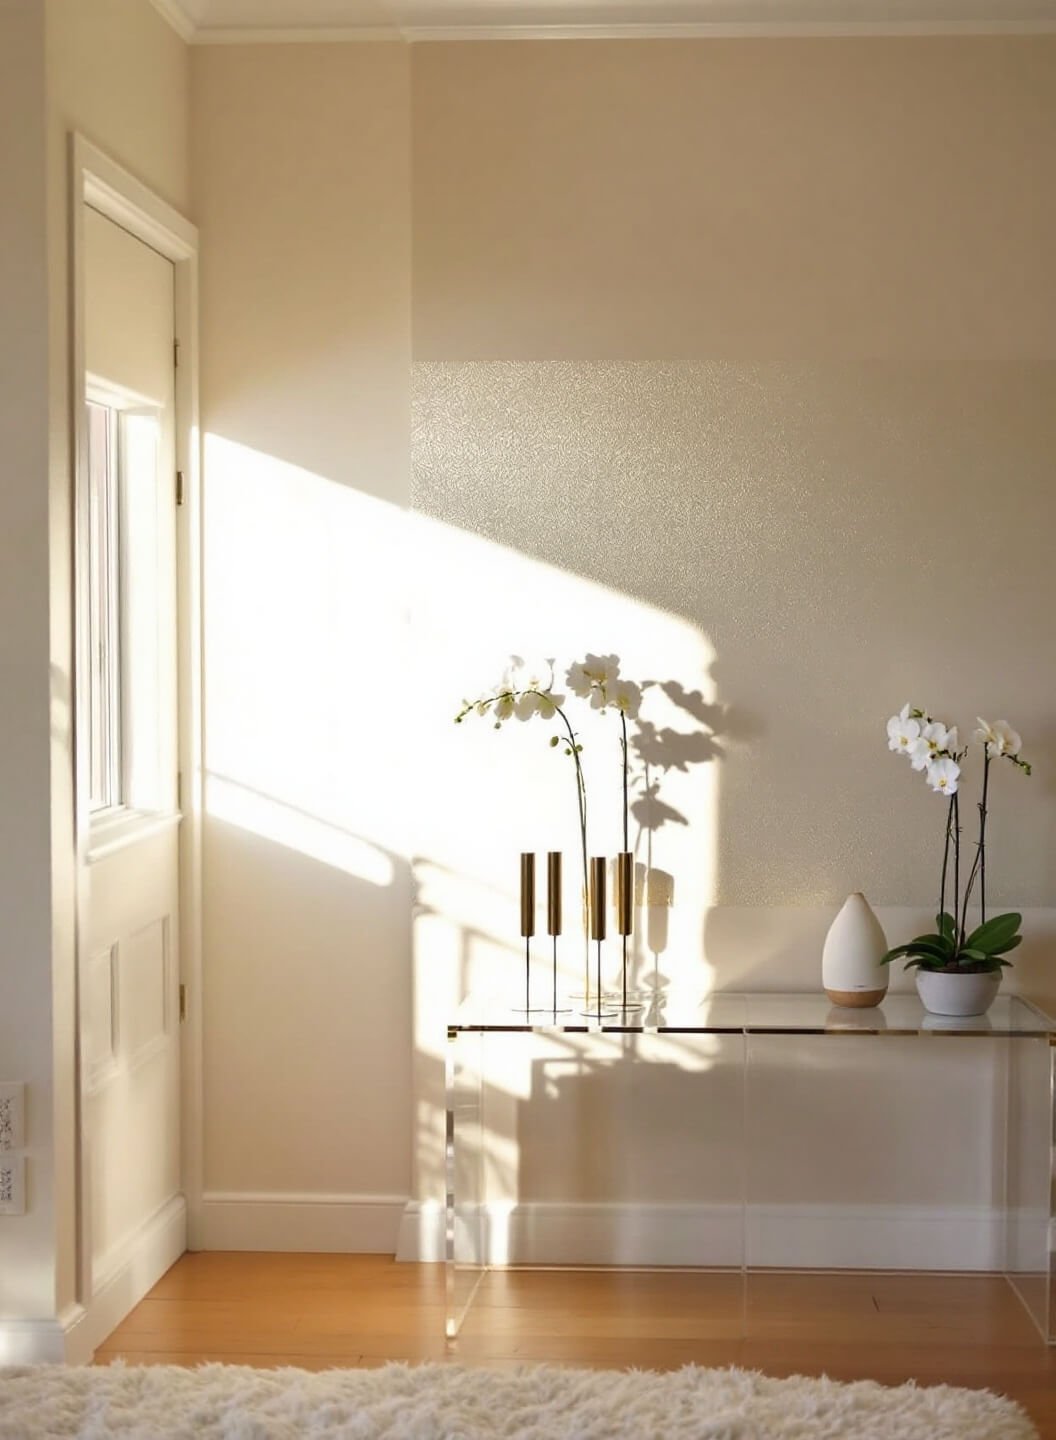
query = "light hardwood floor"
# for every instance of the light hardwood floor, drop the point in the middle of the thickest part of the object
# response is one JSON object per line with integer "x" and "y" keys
{"x": 318, "y": 1311}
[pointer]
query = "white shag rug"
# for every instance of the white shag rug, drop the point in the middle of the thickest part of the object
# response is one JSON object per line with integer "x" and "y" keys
{"x": 441, "y": 1402}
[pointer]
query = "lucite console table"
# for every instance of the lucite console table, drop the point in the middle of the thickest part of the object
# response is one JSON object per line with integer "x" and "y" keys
{"x": 1022, "y": 1048}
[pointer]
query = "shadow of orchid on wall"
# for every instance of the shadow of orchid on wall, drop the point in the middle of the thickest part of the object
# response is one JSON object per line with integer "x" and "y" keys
{"x": 658, "y": 752}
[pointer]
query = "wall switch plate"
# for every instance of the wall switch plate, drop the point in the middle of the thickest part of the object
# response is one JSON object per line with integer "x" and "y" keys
{"x": 12, "y": 1184}
{"x": 12, "y": 1115}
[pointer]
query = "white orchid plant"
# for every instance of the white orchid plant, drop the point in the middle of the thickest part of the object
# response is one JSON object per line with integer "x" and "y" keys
{"x": 935, "y": 750}
{"x": 597, "y": 679}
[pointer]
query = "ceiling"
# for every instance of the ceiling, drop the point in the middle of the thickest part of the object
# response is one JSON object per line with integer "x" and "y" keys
{"x": 219, "y": 21}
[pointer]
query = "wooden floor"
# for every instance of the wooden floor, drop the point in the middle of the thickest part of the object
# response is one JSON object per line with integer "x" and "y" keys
{"x": 318, "y": 1311}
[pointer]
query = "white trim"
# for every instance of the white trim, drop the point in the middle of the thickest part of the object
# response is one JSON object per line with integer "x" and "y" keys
{"x": 174, "y": 12}
{"x": 299, "y": 35}
{"x": 39, "y": 1342}
{"x": 98, "y": 181}
{"x": 702, "y": 30}
{"x": 118, "y": 829}
{"x": 728, "y": 30}
{"x": 788, "y": 1237}
{"x": 281, "y": 1220}
{"x": 128, "y": 1272}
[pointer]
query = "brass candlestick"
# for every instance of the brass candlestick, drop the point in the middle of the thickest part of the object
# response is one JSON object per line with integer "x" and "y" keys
{"x": 527, "y": 919}
{"x": 598, "y": 927}
{"x": 553, "y": 907}
{"x": 625, "y": 907}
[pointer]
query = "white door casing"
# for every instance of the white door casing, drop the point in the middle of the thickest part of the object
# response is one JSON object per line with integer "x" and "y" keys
{"x": 138, "y": 864}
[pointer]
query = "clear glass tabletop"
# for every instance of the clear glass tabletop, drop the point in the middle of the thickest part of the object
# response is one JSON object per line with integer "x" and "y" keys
{"x": 755, "y": 1014}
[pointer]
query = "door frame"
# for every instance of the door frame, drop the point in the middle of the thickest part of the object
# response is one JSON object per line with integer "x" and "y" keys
{"x": 98, "y": 181}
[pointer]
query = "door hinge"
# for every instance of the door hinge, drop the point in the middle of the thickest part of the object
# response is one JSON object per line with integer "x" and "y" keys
{"x": 175, "y": 354}
{"x": 183, "y": 1003}
{"x": 179, "y": 487}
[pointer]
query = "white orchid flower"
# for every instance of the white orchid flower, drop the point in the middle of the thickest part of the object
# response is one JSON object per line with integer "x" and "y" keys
{"x": 935, "y": 740}
{"x": 591, "y": 671}
{"x": 537, "y": 702}
{"x": 920, "y": 753}
{"x": 902, "y": 731}
{"x": 504, "y": 705}
{"x": 999, "y": 738}
{"x": 578, "y": 681}
{"x": 627, "y": 697}
{"x": 943, "y": 775}
{"x": 526, "y": 705}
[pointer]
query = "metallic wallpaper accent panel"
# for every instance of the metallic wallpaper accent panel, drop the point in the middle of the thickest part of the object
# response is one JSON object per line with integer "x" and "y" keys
{"x": 845, "y": 536}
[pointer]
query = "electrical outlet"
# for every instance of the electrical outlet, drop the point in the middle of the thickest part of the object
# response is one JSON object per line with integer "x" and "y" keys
{"x": 12, "y": 1115}
{"x": 12, "y": 1184}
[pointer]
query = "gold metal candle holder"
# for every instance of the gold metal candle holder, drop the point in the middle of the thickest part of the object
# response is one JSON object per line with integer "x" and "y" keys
{"x": 527, "y": 920}
{"x": 553, "y": 893}
{"x": 597, "y": 898}
{"x": 625, "y": 913}
{"x": 553, "y": 908}
{"x": 598, "y": 928}
{"x": 625, "y": 892}
{"x": 527, "y": 894}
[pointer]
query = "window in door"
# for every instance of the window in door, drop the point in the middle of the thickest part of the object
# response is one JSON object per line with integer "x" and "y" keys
{"x": 124, "y": 605}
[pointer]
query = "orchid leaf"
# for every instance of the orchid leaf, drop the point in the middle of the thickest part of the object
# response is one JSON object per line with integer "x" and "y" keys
{"x": 994, "y": 935}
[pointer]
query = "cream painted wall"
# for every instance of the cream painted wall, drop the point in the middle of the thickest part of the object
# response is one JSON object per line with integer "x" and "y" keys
{"x": 736, "y": 358}
{"x": 27, "y": 1245}
{"x": 695, "y": 379}
{"x": 302, "y": 191}
{"x": 114, "y": 70}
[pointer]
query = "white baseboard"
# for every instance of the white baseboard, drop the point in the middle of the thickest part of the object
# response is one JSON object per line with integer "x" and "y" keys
{"x": 131, "y": 1270}
{"x": 873, "y": 1237}
{"x": 265, "y": 1220}
{"x": 129, "y": 1273}
{"x": 38, "y": 1342}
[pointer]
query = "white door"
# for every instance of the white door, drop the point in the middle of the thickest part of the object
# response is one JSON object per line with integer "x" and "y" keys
{"x": 127, "y": 746}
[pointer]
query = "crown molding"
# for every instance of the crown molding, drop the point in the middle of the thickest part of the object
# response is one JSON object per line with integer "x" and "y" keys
{"x": 301, "y": 35}
{"x": 182, "y": 21}
{"x": 174, "y": 12}
{"x": 727, "y": 30}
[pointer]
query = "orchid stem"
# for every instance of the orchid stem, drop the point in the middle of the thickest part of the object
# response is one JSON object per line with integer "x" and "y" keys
{"x": 626, "y": 832}
{"x": 979, "y": 864}
{"x": 945, "y": 862}
{"x": 958, "y": 936}
{"x": 581, "y": 794}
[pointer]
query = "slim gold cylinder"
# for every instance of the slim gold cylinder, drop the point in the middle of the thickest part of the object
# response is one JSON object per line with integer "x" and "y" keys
{"x": 597, "y": 897}
{"x": 527, "y": 893}
{"x": 625, "y": 893}
{"x": 553, "y": 892}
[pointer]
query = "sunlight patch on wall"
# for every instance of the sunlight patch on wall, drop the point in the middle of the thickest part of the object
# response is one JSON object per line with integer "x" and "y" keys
{"x": 304, "y": 654}
{"x": 285, "y": 825}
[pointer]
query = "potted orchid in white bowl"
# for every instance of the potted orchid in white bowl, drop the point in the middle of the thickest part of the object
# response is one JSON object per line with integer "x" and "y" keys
{"x": 958, "y": 969}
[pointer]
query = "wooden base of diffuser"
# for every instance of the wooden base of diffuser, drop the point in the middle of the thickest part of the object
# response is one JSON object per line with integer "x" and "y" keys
{"x": 856, "y": 999}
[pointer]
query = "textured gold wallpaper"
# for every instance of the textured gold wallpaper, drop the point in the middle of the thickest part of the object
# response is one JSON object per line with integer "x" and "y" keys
{"x": 842, "y": 537}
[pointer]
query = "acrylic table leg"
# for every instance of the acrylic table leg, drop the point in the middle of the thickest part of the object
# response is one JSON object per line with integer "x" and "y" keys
{"x": 1030, "y": 1156}
{"x": 464, "y": 1236}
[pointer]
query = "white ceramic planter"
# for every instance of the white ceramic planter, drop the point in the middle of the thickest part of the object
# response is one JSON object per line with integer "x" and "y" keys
{"x": 850, "y": 962}
{"x": 951, "y": 994}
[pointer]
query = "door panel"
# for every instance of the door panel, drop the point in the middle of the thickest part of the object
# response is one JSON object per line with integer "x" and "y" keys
{"x": 128, "y": 871}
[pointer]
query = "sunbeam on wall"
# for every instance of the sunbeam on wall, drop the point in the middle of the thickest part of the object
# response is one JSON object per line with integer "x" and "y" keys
{"x": 343, "y": 635}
